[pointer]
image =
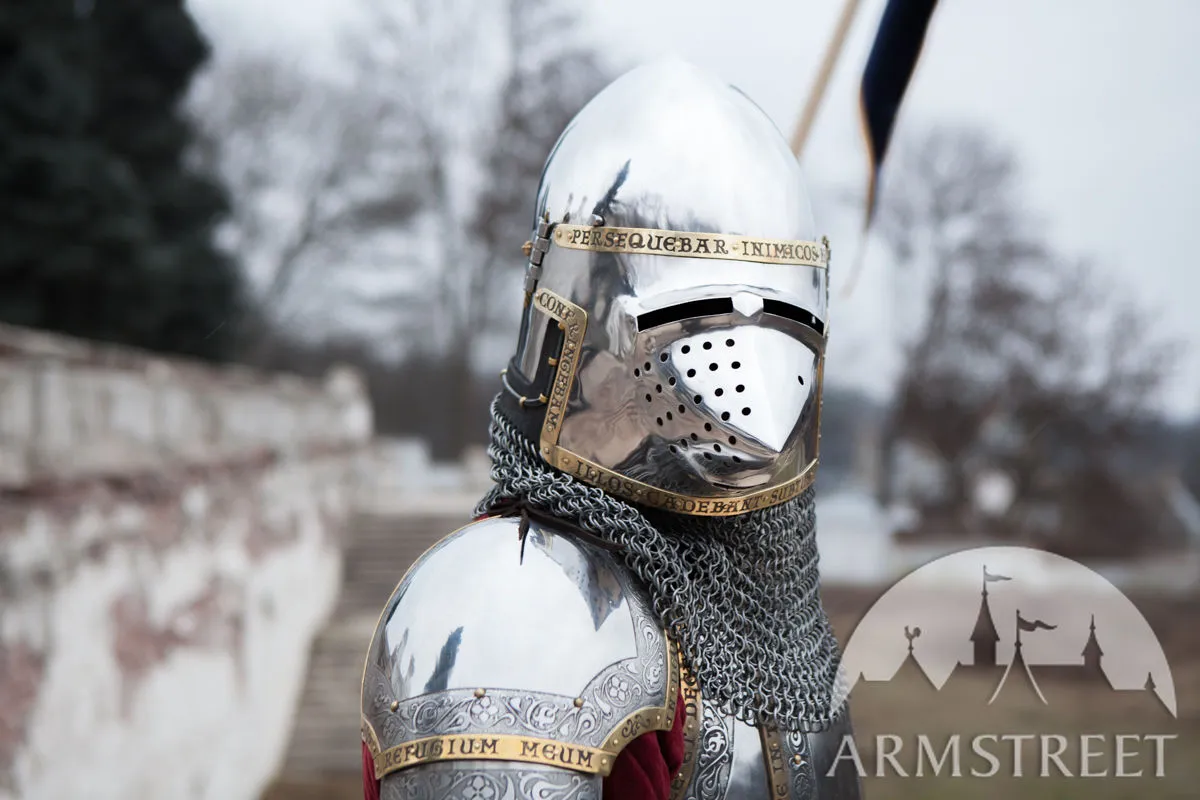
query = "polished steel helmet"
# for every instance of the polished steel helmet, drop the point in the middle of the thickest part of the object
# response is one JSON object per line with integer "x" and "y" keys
{"x": 673, "y": 339}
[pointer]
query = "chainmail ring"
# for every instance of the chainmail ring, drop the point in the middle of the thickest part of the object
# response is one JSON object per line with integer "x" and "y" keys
{"x": 741, "y": 595}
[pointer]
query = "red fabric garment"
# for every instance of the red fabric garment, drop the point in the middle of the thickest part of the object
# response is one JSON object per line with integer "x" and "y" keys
{"x": 646, "y": 766}
{"x": 643, "y": 771}
{"x": 370, "y": 785}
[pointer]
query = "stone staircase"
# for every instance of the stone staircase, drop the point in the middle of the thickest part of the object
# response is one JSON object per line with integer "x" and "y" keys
{"x": 381, "y": 546}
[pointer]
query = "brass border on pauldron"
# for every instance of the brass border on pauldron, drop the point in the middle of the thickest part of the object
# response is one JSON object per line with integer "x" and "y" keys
{"x": 572, "y": 321}
{"x": 493, "y": 747}
{"x": 529, "y": 749}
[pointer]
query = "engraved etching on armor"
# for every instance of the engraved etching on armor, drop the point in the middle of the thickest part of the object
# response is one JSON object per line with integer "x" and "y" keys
{"x": 799, "y": 764}
{"x": 714, "y": 756}
{"x": 469, "y": 780}
{"x": 625, "y": 699}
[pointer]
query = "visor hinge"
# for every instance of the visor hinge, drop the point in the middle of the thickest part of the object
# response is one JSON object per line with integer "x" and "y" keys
{"x": 536, "y": 250}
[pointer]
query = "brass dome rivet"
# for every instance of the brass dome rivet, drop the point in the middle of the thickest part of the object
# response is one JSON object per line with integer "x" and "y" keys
{"x": 527, "y": 248}
{"x": 579, "y": 702}
{"x": 798, "y": 760}
{"x": 395, "y": 704}
{"x": 480, "y": 692}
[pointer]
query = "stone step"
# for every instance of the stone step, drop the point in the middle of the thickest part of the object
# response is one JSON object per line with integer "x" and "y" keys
{"x": 379, "y": 550}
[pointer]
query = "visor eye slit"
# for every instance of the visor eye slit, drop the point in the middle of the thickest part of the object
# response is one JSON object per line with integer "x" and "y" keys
{"x": 710, "y": 307}
{"x": 778, "y": 308}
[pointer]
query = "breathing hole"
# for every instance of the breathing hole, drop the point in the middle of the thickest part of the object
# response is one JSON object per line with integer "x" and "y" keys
{"x": 708, "y": 345}
{"x": 733, "y": 440}
{"x": 739, "y": 388}
{"x": 716, "y": 448}
{"x": 669, "y": 417}
{"x": 646, "y": 366}
{"x": 671, "y": 381}
{"x": 708, "y": 456}
{"x": 746, "y": 411}
{"x": 637, "y": 373}
{"x": 681, "y": 408}
{"x": 649, "y": 398}
{"x": 697, "y": 399}
{"x": 683, "y": 443}
{"x": 708, "y": 426}
{"x": 685, "y": 349}
{"x": 729, "y": 342}
{"x": 713, "y": 366}
{"x": 662, "y": 357}
{"x": 736, "y": 364}
{"x": 801, "y": 377}
{"x": 674, "y": 449}
{"x": 695, "y": 438}
{"x": 660, "y": 420}
{"x": 658, "y": 388}
{"x": 691, "y": 373}
{"x": 737, "y": 460}
{"x": 718, "y": 392}
{"x": 725, "y": 416}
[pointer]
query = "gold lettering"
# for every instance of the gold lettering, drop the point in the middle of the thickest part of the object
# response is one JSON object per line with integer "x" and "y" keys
{"x": 696, "y": 245}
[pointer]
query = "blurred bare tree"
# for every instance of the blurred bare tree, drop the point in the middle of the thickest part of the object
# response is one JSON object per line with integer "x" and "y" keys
{"x": 1015, "y": 359}
{"x": 402, "y": 188}
{"x": 481, "y": 136}
{"x": 305, "y": 162}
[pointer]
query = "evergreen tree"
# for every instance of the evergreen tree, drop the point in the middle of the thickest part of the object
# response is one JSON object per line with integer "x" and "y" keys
{"x": 105, "y": 233}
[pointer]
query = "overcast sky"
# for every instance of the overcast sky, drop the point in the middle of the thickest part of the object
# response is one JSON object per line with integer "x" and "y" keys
{"x": 1099, "y": 98}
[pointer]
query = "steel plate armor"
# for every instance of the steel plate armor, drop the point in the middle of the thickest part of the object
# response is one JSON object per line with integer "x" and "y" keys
{"x": 647, "y": 563}
{"x": 674, "y": 262}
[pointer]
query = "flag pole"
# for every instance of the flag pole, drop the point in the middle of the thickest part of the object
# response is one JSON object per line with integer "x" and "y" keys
{"x": 821, "y": 82}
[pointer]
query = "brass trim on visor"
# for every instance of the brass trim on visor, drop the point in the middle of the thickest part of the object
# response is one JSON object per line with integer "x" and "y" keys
{"x": 685, "y": 244}
{"x": 572, "y": 319}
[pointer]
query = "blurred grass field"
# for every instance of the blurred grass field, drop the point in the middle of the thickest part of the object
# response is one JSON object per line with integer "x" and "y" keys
{"x": 1073, "y": 709}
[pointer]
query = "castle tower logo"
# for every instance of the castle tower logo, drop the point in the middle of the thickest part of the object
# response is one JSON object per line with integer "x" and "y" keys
{"x": 996, "y": 633}
{"x": 1022, "y": 616}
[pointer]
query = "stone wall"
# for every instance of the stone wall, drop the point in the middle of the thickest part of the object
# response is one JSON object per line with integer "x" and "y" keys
{"x": 169, "y": 547}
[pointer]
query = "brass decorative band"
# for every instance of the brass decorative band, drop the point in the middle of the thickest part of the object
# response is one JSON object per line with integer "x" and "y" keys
{"x": 573, "y": 321}
{"x": 650, "y": 718}
{"x": 493, "y": 747}
{"x": 693, "y": 704}
{"x": 685, "y": 244}
{"x": 777, "y": 768}
{"x": 531, "y": 749}
{"x": 644, "y": 494}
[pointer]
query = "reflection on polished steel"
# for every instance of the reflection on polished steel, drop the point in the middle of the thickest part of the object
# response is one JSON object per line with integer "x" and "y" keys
{"x": 697, "y": 376}
{"x": 548, "y": 654}
{"x": 729, "y": 763}
{"x": 748, "y": 776}
{"x": 481, "y": 779}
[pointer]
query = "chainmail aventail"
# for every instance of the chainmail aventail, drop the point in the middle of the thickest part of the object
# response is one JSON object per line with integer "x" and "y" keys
{"x": 741, "y": 595}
